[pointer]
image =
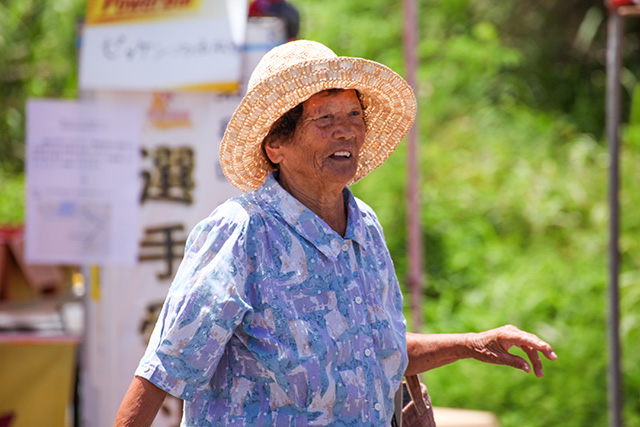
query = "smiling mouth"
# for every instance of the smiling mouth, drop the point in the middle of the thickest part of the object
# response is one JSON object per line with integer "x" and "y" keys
{"x": 341, "y": 154}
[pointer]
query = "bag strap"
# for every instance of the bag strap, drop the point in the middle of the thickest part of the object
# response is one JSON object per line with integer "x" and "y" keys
{"x": 415, "y": 390}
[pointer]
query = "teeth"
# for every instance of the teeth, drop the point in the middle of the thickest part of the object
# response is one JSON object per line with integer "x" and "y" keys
{"x": 342, "y": 154}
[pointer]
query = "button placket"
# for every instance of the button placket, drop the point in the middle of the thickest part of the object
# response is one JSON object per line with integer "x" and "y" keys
{"x": 346, "y": 245}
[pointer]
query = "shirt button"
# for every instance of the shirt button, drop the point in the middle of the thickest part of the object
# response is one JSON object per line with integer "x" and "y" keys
{"x": 147, "y": 369}
{"x": 358, "y": 300}
{"x": 345, "y": 247}
{"x": 377, "y": 406}
{"x": 367, "y": 352}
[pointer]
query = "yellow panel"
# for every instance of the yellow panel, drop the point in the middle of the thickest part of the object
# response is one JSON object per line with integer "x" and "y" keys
{"x": 37, "y": 383}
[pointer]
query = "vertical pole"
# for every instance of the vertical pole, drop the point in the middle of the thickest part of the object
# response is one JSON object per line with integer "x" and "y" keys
{"x": 614, "y": 66}
{"x": 414, "y": 231}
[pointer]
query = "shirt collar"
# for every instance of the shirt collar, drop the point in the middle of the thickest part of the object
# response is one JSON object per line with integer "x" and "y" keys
{"x": 309, "y": 225}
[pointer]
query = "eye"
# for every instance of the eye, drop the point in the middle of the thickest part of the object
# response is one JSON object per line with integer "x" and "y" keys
{"x": 324, "y": 120}
{"x": 356, "y": 117}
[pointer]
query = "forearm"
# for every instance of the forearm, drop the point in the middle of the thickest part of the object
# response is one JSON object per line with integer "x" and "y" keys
{"x": 430, "y": 351}
{"x": 140, "y": 405}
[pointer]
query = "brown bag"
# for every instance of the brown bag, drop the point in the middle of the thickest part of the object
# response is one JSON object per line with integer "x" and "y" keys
{"x": 416, "y": 405}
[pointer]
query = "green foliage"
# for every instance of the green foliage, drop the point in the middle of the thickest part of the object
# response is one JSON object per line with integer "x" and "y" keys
{"x": 37, "y": 59}
{"x": 514, "y": 193}
{"x": 11, "y": 199}
{"x": 513, "y": 181}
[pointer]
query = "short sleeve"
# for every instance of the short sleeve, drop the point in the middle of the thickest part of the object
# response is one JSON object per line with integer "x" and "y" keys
{"x": 205, "y": 304}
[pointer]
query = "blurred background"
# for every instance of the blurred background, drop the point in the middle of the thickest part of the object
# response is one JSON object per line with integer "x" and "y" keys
{"x": 513, "y": 179}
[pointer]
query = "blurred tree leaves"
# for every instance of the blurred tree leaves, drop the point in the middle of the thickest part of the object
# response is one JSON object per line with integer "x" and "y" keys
{"x": 514, "y": 176}
{"x": 37, "y": 59}
{"x": 12, "y": 187}
{"x": 514, "y": 191}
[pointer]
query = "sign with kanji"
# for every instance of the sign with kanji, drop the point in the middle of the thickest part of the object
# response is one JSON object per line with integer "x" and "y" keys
{"x": 179, "y": 182}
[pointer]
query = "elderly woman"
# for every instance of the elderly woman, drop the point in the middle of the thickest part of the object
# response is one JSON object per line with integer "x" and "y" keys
{"x": 286, "y": 309}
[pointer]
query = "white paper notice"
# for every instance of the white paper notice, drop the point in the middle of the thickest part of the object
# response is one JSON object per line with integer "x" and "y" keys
{"x": 82, "y": 182}
{"x": 159, "y": 56}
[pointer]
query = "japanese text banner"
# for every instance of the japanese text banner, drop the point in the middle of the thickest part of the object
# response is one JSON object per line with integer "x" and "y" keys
{"x": 161, "y": 45}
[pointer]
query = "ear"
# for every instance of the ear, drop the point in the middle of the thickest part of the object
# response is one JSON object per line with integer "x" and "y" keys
{"x": 273, "y": 148}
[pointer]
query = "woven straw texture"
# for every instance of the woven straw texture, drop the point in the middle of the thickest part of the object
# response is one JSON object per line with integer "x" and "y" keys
{"x": 290, "y": 74}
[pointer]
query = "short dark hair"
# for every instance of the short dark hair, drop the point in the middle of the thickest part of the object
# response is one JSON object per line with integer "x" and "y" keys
{"x": 282, "y": 129}
{"x": 285, "y": 126}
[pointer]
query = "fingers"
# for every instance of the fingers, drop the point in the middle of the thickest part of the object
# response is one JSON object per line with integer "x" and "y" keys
{"x": 517, "y": 337}
{"x": 551, "y": 355}
{"x": 535, "y": 360}
{"x": 517, "y": 362}
{"x": 509, "y": 336}
{"x": 514, "y": 361}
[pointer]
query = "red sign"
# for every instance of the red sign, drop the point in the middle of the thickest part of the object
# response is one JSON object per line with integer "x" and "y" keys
{"x": 613, "y": 4}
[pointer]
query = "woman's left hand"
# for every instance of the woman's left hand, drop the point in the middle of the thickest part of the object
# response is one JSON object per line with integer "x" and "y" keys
{"x": 493, "y": 346}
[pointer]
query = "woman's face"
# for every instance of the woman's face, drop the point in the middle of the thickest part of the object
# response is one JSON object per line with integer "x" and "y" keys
{"x": 324, "y": 149}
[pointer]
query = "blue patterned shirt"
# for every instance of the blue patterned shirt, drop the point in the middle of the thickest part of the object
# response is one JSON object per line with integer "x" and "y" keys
{"x": 275, "y": 319}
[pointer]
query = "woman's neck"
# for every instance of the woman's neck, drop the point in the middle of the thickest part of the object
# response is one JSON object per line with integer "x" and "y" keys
{"x": 328, "y": 204}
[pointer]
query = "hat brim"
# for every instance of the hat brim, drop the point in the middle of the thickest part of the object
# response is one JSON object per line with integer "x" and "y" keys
{"x": 389, "y": 103}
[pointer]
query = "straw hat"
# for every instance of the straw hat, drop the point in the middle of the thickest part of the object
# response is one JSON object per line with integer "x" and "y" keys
{"x": 290, "y": 74}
